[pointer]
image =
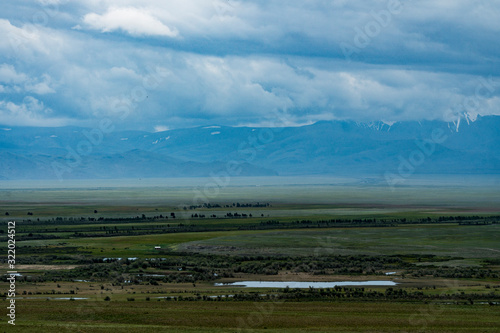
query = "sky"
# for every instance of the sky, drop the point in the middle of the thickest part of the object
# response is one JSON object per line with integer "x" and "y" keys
{"x": 158, "y": 65}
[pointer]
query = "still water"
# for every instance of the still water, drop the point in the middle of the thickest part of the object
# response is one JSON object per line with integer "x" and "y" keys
{"x": 292, "y": 284}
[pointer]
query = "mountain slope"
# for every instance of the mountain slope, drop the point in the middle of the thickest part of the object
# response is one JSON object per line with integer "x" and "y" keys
{"x": 338, "y": 147}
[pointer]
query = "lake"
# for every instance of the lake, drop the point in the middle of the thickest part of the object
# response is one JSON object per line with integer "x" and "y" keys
{"x": 292, "y": 284}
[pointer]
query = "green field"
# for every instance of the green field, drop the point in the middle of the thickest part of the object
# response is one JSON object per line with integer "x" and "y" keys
{"x": 441, "y": 240}
{"x": 438, "y": 243}
{"x": 160, "y": 316}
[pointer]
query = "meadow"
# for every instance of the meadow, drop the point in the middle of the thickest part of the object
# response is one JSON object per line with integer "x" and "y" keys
{"x": 161, "y": 316}
{"x": 129, "y": 257}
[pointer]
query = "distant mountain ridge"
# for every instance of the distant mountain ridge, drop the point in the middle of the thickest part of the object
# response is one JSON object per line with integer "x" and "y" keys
{"x": 324, "y": 148}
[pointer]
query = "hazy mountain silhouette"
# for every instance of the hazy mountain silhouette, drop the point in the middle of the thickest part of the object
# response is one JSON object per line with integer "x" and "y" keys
{"x": 324, "y": 148}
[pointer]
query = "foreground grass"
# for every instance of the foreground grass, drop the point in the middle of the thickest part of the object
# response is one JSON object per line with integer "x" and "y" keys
{"x": 163, "y": 316}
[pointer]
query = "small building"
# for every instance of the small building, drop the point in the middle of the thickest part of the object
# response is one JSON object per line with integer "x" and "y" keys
{"x": 157, "y": 247}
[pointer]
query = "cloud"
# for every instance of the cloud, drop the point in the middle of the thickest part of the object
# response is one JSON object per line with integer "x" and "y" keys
{"x": 20, "y": 82}
{"x": 9, "y": 75}
{"x": 185, "y": 63}
{"x": 51, "y": 2}
{"x": 30, "y": 112}
{"x": 29, "y": 40}
{"x": 135, "y": 21}
{"x": 41, "y": 86}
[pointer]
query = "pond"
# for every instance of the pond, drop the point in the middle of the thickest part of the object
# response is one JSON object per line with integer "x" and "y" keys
{"x": 292, "y": 284}
{"x": 54, "y": 298}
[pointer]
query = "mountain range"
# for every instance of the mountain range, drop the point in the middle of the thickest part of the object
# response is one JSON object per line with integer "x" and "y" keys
{"x": 325, "y": 148}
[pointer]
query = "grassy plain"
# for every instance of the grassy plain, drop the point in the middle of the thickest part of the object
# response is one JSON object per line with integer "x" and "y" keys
{"x": 161, "y": 316}
{"x": 441, "y": 240}
{"x": 447, "y": 273}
